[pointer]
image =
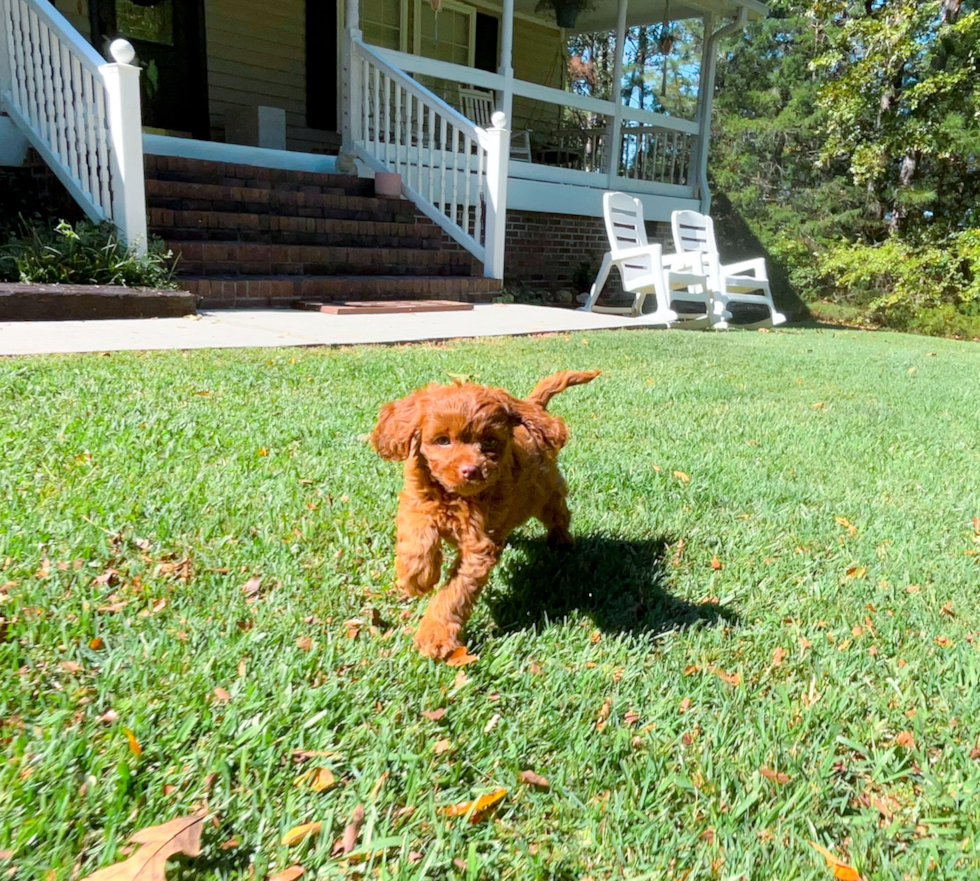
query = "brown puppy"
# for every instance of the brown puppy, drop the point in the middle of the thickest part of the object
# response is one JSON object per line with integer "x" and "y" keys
{"x": 478, "y": 463}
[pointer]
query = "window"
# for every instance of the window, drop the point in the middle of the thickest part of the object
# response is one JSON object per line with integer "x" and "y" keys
{"x": 447, "y": 35}
{"x": 383, "y": 23}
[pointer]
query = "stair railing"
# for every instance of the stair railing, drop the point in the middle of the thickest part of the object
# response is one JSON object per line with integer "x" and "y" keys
{"x": 81, "y": 114}
{"x": 453, "y": 170}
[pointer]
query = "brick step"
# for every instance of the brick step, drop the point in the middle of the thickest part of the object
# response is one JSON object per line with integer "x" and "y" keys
{"x": 66, "y": 302}
{"x": 226, "y": 226}
{"x": 210, "y": 197}
{"x": 273, "y": 290}
{"x": 172, "y": 168}
{"x": 243, "y": 258}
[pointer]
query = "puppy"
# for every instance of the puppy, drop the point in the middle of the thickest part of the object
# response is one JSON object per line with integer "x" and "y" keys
{"x": 478, "y": 463}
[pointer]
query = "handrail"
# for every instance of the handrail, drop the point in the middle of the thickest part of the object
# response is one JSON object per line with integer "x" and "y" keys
{"x": 81, "y": 114}
{"x": 452, "y": 169}
{"x": 472, "y": 76}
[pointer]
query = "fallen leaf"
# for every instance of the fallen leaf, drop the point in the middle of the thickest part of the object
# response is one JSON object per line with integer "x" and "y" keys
{"x": 460, "y": 658}
{"x": 533, "y": 779}
{"x": 480, "y": 807}
{"x": 134, "y": 744}
{"x": 777, "y": 656}
{"x": 70, "y": 667}
{"x": 6, "y": 854}
{"x": 378, "y": 784}
{"x": 109, "y": 716}
{"x": 229, "y": 844}
{"x": 323, "y": 779}
{"x": 850, "y": 527}
{"x": 855, "y": 572}
{"x": 914, "y": 588}
{"x": 221, "y": 695}
{"x": 944, "y": 641}
{"x": 630, "y": 717}
{"x": 96, "y": 644}
{"x": 776, "y": 776}
{"x": 251, "y": 587}
{"x": 682, "y": 477}
{"x": 804, "y": 643}
{"x": 948, "y": 610}
{"x": 692, "y": 669}
{"x": 441, "y": 747}
{"x": 304, "y": 643}
{"x": 857, "y": 630}
{"x": 494, "y": 719}
{"x": 434, "y": 715}
{"x": 414, "y": 856}
{"x": 113, "y": 607}
{"x": 290, "y": 874}
{"x": 906, "y": 739}
{"x": 842, "y": 871}
{"x": 733, "y": 679}
{"x": 715, "y": 562}
{"x": 604, "y": 711}
{"x": 262, "y": 451}
{"x": 685, "y": 705}
{"x": 299, "y": 833}
{"x": 149, "y": 863}
{"x": 975, "y": 753}
{"x": 818, "y": 405}
{"x": 168, "y": 789}
{"x": 345, "y": 844}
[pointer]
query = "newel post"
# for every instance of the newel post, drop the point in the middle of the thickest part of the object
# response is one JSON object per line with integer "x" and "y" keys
{"x": 6, "y": 63}
{"x": 350, "y": 79}
{"x": 122, "y": 85}
{"x": 498, "y": 159}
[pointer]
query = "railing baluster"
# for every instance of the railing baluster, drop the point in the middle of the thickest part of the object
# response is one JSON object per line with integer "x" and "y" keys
{"x": 442, "y": 163}
{"x": 64, "y": 109}
{"x": 467, "y": 147}
{"x": 91, "y": 148}
{"x": 478, "y": 207}
{"x": 71, "y": 103}
{"x": 398, "y": 128}
{"x": 419, "y": 136}
{"x": 15, "y": 46}
{"x": 454, "y": 157}
{"x": 105, "y": 195}
{"x": 430, "y": 165}
{"x": 34, "y": 114}
{"x": 47, "y": 82}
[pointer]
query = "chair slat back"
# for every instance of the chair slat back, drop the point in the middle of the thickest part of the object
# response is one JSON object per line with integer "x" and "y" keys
{"x": 693, "y": 232}
{"x": 625, "y": 228}
{"x": 476, "y": 105}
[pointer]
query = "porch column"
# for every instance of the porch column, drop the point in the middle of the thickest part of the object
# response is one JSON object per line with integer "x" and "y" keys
{"x": 706, "y": 97}
{"x": 349, "y": 77}
{"x": 506, "y": 69}
{"x": 616, "y": 123}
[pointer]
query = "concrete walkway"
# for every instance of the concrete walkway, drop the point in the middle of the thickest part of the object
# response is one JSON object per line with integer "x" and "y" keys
{"x": 268, "y": 328}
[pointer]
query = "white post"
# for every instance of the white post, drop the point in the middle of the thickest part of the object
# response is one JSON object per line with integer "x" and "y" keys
{"x": 506, "y": 69}
{"x": 614, "y": 130}
{"x": 350, "y": 79}
{"x": 122, "y": 84}
{"x": 6, "y": 63}
{"x": 498, "y": 158}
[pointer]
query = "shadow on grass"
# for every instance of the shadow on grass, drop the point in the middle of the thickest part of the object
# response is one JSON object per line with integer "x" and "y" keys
{"x": 619, "y": 583}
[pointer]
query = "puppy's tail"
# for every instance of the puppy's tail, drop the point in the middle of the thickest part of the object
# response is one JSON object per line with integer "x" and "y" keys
{"x": 550, "y": 386}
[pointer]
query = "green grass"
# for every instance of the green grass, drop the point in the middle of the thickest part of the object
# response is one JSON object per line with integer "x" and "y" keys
{"x": 253, "y": 463}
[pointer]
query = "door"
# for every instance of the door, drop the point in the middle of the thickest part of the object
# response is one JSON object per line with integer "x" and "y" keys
{"x": 168, "y": 36}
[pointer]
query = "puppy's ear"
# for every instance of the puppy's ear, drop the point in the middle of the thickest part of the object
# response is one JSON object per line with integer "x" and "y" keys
{"x": 398, "y": 423}
{"x": 545, "y": 429}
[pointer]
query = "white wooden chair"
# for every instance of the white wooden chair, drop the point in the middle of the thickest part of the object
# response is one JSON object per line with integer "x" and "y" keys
{"x": 676, "y": 281}
{"x": 477, "y": 106}
{"x": 743, "y": 282}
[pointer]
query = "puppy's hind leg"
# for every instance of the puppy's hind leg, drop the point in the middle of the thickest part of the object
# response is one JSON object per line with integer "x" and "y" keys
{"x": 556, "y": 518}
{"x": 418, "y": 555}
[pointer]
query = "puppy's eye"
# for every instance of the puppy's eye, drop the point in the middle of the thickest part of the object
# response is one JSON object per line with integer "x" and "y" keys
{"x": 490, "y": 443}
{"x": 442, "y": 440}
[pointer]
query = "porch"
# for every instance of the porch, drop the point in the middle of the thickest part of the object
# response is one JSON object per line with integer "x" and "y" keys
{"x": 397, "y": 111}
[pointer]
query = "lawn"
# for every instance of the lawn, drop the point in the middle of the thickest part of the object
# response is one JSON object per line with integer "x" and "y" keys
{"x": 768, "y": 632}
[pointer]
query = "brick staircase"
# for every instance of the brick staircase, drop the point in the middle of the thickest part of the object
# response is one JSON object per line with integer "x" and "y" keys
{"x": 252, "y": 236}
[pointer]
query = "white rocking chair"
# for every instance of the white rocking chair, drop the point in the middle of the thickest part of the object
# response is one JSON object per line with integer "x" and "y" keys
{"x": 743, "y": 282}
{"x": 676, "y": 281}
{"x": 477, "y": 105}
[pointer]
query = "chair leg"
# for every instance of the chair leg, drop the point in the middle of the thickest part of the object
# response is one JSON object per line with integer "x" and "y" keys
{"x": 600, "y": 282}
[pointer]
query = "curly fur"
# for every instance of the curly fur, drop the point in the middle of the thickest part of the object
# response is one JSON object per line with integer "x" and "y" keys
{"x": 478, "y": 463}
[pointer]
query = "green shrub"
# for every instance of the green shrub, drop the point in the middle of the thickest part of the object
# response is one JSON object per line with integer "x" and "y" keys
{"x": 84, "y": 254}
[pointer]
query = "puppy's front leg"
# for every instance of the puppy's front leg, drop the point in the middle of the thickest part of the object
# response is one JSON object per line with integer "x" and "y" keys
{"x": 449, "y": 609}
{"x": 418, "y": 552}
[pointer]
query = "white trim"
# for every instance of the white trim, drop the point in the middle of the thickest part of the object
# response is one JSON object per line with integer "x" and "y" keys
{"x": 185, "y": 148}
{"x": 547, "y": 197}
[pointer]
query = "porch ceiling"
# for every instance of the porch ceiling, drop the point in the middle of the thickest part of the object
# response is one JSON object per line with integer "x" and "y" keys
{"x": 601, "y": 15}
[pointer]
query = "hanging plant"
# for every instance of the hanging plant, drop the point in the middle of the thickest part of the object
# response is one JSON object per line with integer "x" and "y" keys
{"x": 566, "y": 11}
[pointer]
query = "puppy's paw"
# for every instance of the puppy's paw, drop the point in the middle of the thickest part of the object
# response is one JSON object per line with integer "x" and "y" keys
{"x": 561, "y": 538}
{"x": 437, "y": 641}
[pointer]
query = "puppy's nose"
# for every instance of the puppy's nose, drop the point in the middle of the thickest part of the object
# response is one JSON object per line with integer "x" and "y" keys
{"x": 468, "y": 472}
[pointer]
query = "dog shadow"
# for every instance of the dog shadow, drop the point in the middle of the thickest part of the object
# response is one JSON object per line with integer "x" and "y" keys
{"x": 619, "y": 583}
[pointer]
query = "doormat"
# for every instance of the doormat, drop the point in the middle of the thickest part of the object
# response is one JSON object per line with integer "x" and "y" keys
{"x": 383, "y": 307}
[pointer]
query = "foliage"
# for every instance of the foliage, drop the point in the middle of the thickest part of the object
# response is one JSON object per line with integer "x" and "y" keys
{"x": 82, "y": 254}
{"x": 198, "y": 547}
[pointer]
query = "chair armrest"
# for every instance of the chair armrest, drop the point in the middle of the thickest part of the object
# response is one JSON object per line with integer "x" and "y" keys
{"x": 655, "y": 251}
{"x": 686, "y": 260}
{"x": 757, "y": 266}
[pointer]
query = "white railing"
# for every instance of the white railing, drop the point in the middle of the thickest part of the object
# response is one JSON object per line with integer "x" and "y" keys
{"x": 453, "y": 170}
{"x": 81, "y": 114}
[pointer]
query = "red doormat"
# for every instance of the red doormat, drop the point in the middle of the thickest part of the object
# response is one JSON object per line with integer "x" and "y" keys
{"x": 384, "y": 307}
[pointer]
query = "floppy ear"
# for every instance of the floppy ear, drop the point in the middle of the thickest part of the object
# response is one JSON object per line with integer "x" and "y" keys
{"x": 545, "y": 429}
{"x": 398, "y": 423}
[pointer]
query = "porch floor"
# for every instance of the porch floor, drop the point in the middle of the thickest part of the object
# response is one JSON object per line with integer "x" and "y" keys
{"x": 270, "y": 328}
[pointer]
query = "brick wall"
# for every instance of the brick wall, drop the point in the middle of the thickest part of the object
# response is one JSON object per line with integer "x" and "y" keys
{"x": 545, "y": 251}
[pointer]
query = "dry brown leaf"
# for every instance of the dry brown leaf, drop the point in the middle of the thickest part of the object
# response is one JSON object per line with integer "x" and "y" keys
{"x": 149, "y": 863}
{"x": 113, "y": 607}
{"x": 70, "y": 667}
{"x": 441, "y": 747}
{"x": 692, "y": 669}
{"x": 460, "y": 658}
{"x": 134, "y": 744}
{"x": 109, "y": 716}
{"x": 290, "y": 874}
{"x": 733, "y": 679}
{"x": 299, "y": 833}
{"x": 906, "y": 739}
{"x": 604, "y": 711}
{"x": 682, "y": 477}
{"x": 304, "y": 643}
{"x": 97, "y": 643}
{"x": 533, "y": 779}
{"x": 777, "y": 777}
{"x": 855, "y": 572}
{"x": 322, "y": 779}
{"x": 480, "y": 807}
{"x": 630, "y": 717}
{"x": 229, "y": 844}
{"x": 251, "y": 587}
{"x": 434, "y": 715}
{"x": 6, "y": 854}
{"x": 345, "y": 844}
{"x": 947, "y": 610}
{"x": 914, "y": 588}
{"x": 850, "y": 527}
{"x": 685, "y": 705}
{"x": 944, "y": 642}
{"x": 777, "y": 656}
{"x": 221, "y": 695}
{"x": 975, "y": 753}
{"x": 842, "y": 871}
